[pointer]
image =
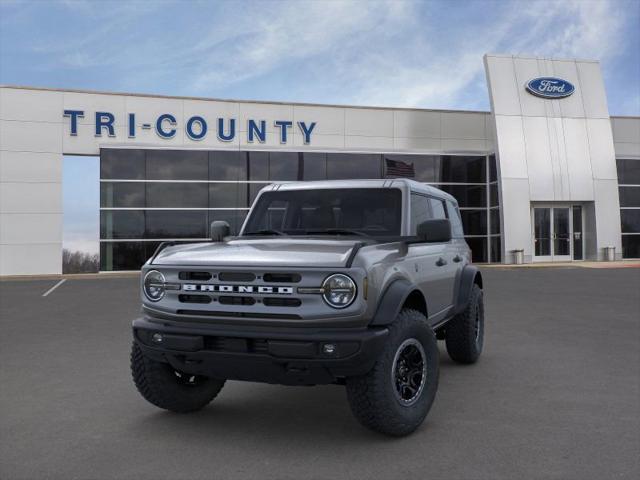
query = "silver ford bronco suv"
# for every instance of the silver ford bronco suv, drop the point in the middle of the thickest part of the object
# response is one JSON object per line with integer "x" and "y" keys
{"x": 346, "y": 282}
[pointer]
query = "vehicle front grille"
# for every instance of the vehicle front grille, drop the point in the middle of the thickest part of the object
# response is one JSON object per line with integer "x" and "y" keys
{"x": 209, "y": 313}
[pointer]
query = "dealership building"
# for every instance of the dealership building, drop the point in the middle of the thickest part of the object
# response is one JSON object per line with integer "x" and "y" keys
{"x": 546, "y": 175}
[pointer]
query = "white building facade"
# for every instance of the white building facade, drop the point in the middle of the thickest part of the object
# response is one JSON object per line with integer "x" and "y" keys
{"x": 547, "y": 174}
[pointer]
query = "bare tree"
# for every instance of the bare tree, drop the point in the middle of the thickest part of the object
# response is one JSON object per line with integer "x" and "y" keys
{"x": 79, "y": 262}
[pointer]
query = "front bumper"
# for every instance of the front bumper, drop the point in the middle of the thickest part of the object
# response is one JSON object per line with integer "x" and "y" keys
{"x": 272, "y": 355}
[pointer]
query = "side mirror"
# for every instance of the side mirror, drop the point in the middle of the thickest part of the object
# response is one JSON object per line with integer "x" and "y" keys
{"x": 434, "y": 231}
{"x": 219, "y": 230}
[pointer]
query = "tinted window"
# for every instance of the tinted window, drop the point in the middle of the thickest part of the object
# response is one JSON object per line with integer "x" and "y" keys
{"x": 456, "y": 223}
{"x": 176, "y": 224}
{"x": 437, "y": 208}
{"x": 177, "y": 165}
{"x": 122, "y": 164}
{"x": 258, "y": 165}
{"x": 631, "y": 246}
{"x": 228, "y": 195}
{"x": 478, "y": 246}
{"x": 495, "y": 220}
{"x": 474, "y": 221}
{"x": 420, "y": 211}
{"x": 227, "y": 165}
{"x": 463, "y": 169}
{"x": 314, "y": 166}
{"x": 496, "y": 253}
{"x": 122, "y": 255}
{"x": 630, "y": 221}
{"x": 629, "y": 196}
{"x": 283, "y": 166}
{"x": 493, "y": 169}
{"x": 177, "y": 195}
{"x": 353, "y": 165}
{"x": 119, "y": 195}
{"x": 121, "y": 224}
{"x": 467, "y": 195}
{"x": 628, "y": 171}
{"x": 376, "y": 212}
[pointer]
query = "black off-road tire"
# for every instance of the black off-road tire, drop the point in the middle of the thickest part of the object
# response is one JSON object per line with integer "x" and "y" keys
{"x": 373, "y": 397}
{"x": 464, "y": 335}
{"x": 162, "y": 386}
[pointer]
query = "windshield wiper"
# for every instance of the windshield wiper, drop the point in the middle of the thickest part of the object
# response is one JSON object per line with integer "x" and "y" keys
{"x": 336, "y": 231}
{"x": 266, "y": 232}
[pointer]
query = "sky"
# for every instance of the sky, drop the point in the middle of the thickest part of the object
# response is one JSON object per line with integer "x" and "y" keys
{"x": 380, "y": 53}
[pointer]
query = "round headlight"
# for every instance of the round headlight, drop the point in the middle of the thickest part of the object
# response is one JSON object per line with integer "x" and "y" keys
{"x": 154, "y": 285}
{"x": 339, "y": 290}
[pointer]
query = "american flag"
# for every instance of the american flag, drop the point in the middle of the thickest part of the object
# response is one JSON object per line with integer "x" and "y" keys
{"x": 399, "y": 169}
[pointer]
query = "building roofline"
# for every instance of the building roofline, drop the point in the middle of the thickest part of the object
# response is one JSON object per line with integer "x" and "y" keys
{"x": 230, "y": 100}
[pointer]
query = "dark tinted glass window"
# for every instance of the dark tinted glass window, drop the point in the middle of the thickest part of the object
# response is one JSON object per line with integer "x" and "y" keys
{"x": 283, "y": 166}
{"x": 376, "y": 212}
{"x": 462, "y": 169}
{"x": 227, "y": 165}
{"x": 493, "y": 169}
{"x": 314, "y": 166}
{"x": 496, "y": 253}
{"x": 258, "y": 165}
{"x": 124, "y": 164}
{"x": 478, "y": 246}
{"x": 628, "y": 171}
{"x": 128, "y": 195}
{"x": 176, "y": 224}
{"x": 228, "y": 195}
{"x": 495, "y": 220}
{"x": 629, "y": 196}
{"x": 457, "y": 230}
{"x": 420, "y": 211}
{"x": 467, "y": 195}
{"x": 121, "y": 224}
{"x": 631, "y": 246}
{"x": 353, "y": 165}
{"x": 177, "y": 195}
{"x": 122, "y": 255}
{"x": 493, "y": 195}
{"x": 177, "y": 165}
{"x": 630, "y": 221}
{"x": 474, "y": 221}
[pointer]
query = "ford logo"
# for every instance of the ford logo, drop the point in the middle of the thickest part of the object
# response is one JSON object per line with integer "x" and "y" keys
{"x": 550, "y": 87}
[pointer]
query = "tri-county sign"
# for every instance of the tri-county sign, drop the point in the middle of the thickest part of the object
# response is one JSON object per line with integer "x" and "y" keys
{"x": 196, "y": 127}
{"x": 550, "y": 87}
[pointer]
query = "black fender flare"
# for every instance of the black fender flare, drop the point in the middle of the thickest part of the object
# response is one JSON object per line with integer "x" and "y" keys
{"x": 470, "y": 275}
{"x": 391, "y": 301}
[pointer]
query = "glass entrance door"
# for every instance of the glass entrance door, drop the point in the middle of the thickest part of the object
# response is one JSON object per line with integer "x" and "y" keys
{"x": 557, "y": 233}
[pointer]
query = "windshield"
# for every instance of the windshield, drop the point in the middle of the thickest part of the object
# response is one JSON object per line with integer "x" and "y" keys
{"x": 337, "y": 211}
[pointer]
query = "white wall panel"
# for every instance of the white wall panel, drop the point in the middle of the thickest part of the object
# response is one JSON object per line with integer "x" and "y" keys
{"x": 578, "y": 159}
{"x": 369, "y": 122}
{"x": 592, "y": 84}
{"x": 91, "y": 103}
{"x": 31, "y": 197}
{"x": 571, "y": 106}
{"x": 268, "y": 112}
{"x": 319, "y": 142}
{"x": 601, "y": 149}
{"x": 329, "y": 120}
{"x": 539, "y": 164}
{"x": 30, "y": 167}
{"x": 417, "y": 124}
{"x": 607, "y": 209}
{"x": 465, "y": 126}
{"x": 513, "y": 163}
{"x": 31, "y": 259}
{"x": 461, "y": 145}
{"x": 418, "y": 144}
{"x": 517, "y": 218}
{"x": 30, "y": 105}
{"x": 19, "y": 228}
{"x": 503, "y": 86}
{"x": 20, "y": 136}
{"x": 358, "y": 142}
{"x": 525, "y": 70}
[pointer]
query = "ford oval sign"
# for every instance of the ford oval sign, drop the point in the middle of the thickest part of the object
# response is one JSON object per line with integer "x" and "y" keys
{"x": 550, "y": 87}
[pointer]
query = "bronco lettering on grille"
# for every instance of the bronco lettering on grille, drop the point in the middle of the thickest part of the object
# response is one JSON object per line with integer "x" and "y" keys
{"x": 192, "y": 287}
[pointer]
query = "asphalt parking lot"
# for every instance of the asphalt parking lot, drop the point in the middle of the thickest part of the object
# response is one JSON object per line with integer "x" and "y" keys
{"x": 555, "y": 395}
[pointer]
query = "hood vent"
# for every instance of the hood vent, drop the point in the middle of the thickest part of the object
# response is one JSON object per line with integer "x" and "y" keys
{"x": 281, "y": 277}
{"x": 236, "y": 276}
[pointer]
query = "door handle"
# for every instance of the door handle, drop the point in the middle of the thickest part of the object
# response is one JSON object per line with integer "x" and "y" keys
{"x": 457, "y": 259}
{"x": 441, "y": 262}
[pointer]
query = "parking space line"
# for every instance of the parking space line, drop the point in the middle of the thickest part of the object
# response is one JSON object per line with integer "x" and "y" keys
{"x": 54, "y": 287}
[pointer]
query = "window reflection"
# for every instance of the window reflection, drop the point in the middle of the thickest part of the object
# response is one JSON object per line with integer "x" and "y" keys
{"x": 344, "y": 166}
{"x": 177, "y": 195}
{"x": 177, "y": 165}
{"x": 123, "y": 164}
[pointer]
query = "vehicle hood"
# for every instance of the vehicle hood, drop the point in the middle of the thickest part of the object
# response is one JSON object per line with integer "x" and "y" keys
{"x": 301, "y": 252}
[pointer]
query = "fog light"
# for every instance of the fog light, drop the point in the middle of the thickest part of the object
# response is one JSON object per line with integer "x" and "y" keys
{"x": 156, "y": 338}
{"x": 329, "y": 348}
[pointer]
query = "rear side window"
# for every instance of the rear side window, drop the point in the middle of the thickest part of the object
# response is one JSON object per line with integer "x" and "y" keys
{"x": 420, "y": 211}
{"x": 456, "y": 221}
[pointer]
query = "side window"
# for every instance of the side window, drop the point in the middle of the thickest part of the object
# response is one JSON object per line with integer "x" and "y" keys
{"x": 420, "y": 211}
{"x": 437, "y": 208}
{"x": 456, "y": 221}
